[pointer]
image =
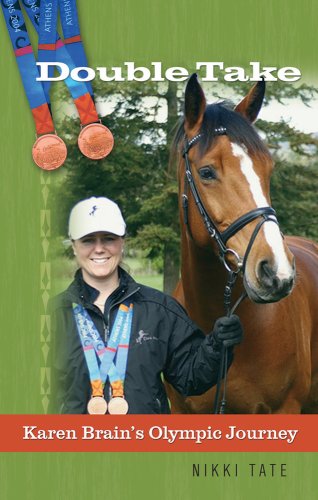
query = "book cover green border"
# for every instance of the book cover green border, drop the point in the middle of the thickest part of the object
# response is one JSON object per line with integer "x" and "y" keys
{"x": 178, "y": 33}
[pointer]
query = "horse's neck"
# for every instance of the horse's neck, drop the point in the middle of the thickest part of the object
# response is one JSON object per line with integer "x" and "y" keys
{"x": 203, "y": 282}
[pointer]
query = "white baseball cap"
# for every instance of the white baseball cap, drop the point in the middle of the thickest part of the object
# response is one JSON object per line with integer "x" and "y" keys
{"x": 94, "y": 215}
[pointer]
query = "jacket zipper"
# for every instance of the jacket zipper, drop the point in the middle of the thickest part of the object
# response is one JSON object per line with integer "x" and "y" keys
{"x": 159, "y": 404}
{"x": 106, "y": 331}
{"x": 111, "y": 307}
{"x": 106, "y": 325}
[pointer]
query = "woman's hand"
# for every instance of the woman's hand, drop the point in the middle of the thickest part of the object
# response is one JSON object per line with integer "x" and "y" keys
{"x": 227, "y": 332}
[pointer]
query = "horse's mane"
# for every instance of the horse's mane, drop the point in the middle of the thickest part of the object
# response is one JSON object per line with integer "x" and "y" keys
{"x": 238, "y": 130}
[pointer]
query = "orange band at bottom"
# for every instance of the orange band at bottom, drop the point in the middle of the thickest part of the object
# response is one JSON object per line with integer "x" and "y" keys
{"x": 97, "y": 388}
{"x": 117, "y": 389}
{"x": 86, "y": 109}
{"x": 43, "y": 120}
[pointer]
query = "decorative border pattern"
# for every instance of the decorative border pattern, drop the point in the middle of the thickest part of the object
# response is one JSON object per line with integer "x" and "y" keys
{"x": 45, "y": 286}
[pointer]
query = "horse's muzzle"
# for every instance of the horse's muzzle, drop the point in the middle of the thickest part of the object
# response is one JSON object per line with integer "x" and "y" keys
{"x": 269, "y": 287}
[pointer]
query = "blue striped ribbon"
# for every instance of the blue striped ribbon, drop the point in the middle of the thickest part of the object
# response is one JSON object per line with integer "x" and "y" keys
{"x": 92, "y": 343}
{"x": 24, "y": 53}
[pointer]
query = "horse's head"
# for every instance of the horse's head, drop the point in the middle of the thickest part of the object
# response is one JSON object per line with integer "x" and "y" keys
{"x": 230, "y": 168}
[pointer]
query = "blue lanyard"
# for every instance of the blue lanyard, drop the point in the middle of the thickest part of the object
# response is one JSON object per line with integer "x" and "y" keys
{"x": 49, "y": 151}
{"x": 72, "y": 36}
{"x": 52, "y": 49}
{"x": 47, "y": 38}
{"x": 99, "y": 358}
{"x": 27, "y": 66}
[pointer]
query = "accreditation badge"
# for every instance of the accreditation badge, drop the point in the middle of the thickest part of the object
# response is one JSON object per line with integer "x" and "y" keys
{"x": 95, "y": 141}
{"x": 49, "y": 152}
{"x": 97, "y": 405}
{"x": 118, "y": 406}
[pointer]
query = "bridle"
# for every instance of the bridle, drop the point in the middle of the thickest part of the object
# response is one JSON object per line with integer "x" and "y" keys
{"x": 221, "y": 238}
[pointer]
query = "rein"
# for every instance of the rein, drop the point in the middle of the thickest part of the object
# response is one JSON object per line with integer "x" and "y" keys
{"x": 221, "y": 238}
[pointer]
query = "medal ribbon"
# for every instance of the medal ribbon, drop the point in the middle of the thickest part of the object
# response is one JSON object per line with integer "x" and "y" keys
{"x": 79, "y": 90}
{"x": 72, "y": 36}
{"x": 94, "y": 347}
{"x": 27, "y": 66}
{"x": 52, "y": 49}
{"x": 45, "y": 26}
{"x": 118, "y": 343}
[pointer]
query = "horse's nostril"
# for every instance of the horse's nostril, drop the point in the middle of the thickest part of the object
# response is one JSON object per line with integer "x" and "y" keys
{"x": 287, "y": 285}
{"x": 268, "y": 278}
{"x": 266, "y": 270}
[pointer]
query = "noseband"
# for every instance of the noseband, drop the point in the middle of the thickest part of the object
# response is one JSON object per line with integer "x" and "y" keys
{"x": 221, "y": 238}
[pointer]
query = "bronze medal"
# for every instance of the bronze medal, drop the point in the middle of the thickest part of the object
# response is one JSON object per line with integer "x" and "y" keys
{"x": 118, "y": 406}
{"x": 97, "y": 406}
{"x": 49, "y": 152}
{"x": 95, "y": 141}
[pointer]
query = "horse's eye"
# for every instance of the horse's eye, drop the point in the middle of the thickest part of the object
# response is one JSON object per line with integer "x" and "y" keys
{"x": 207, "y": 173}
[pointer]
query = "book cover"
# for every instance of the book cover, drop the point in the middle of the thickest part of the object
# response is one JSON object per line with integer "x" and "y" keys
{"x": 156, "y": 36}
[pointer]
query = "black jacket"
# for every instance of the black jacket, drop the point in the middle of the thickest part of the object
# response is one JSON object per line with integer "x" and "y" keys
{"x": 163, "y": 341}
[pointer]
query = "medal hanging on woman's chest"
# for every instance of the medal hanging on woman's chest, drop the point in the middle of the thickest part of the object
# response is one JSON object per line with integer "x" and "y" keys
{"x": 49, "y": 151}
{"x": 101, "y": 360}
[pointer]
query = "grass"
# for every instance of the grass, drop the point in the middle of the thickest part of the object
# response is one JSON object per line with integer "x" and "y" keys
{"x": 155, "y": 281}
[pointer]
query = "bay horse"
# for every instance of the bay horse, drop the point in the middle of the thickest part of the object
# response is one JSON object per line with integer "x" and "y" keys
{"x": 224, "y": 174}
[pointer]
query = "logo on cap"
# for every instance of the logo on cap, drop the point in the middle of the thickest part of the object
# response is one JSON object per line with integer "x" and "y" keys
{"x": 94, "y": 208}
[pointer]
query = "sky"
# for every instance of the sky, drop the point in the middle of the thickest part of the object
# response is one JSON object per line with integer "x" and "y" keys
{"x": 304, "y": 118}
{"x": 295, "y": 112}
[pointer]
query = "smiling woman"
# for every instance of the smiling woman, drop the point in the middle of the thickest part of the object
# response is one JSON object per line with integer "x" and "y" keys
{"x": 98, "y": 255}
{"x": 113, "y": 338}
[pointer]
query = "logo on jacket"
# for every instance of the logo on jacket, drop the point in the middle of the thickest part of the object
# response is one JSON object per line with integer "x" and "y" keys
{"x": 144, "y": 337}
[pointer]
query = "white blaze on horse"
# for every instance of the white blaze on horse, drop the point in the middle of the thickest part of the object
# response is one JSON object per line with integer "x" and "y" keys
{"x": 224, "y": 174}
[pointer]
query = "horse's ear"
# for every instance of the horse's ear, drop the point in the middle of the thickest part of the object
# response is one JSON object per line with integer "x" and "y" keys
{"x": 251, "y": 104}
{"x": 194, "y": 105}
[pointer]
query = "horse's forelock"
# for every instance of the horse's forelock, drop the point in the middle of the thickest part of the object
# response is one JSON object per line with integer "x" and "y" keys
{"x": 238, "y": 130}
